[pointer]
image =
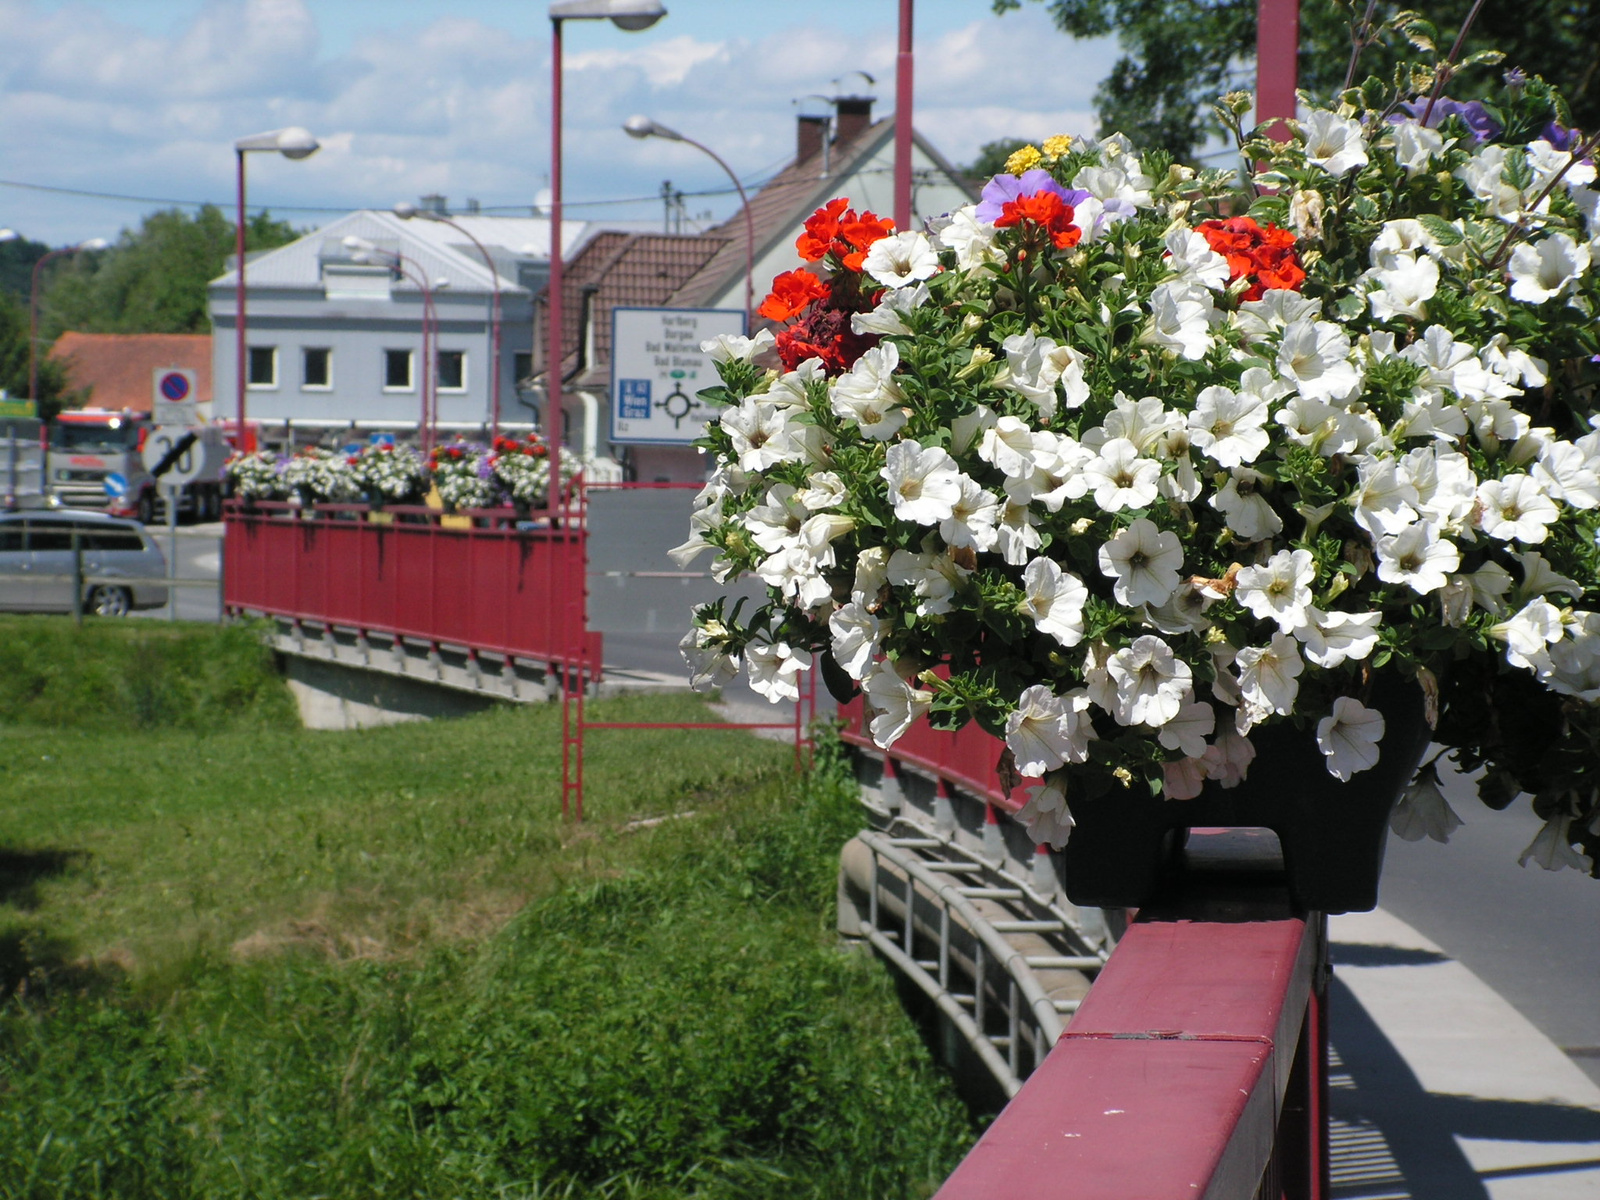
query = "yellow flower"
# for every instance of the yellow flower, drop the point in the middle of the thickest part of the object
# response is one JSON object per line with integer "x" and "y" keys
{"x": 1056, "y": 147}
{"x": 1025, "y": 159}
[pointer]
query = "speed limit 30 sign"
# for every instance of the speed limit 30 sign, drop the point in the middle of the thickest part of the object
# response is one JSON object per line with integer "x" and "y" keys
{"x": 186, "y": 465}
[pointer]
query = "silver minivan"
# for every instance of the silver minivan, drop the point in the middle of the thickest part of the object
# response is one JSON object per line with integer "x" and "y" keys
{"x": 118, "y": 558}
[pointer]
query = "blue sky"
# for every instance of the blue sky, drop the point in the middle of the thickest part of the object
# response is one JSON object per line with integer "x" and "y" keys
{"x": 143, "y": 98}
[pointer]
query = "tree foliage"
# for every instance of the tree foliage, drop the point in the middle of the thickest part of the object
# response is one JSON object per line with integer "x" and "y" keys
{"x": 153, "y": 280}
{"x": 1179, "y": 55}
{"x": 14, "y": 360}
{"x": 16, "y": 265}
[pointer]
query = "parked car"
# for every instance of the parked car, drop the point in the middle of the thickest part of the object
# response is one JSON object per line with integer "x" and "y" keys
{"x": 118, "y": 558}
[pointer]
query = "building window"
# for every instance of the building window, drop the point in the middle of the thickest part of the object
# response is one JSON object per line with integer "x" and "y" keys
{"x": 263, "y": 367}
{"x": 316, "y": 368}
{"x": 397, "y": 370}
{"x": 452, "y": 370}
{"x": 521, "y": 369}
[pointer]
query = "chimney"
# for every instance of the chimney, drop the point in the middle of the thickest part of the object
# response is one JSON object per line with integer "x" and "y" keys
{"x": 433, "y": 202}
{"x": 855, "y": 114}
{"x": 813, "y": 133}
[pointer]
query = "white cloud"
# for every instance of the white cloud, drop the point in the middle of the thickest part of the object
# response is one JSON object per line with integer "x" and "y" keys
{"x": 461, "y": 107}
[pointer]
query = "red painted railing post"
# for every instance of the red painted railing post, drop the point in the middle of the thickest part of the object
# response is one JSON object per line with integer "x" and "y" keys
{"x": 1277, "y": 71}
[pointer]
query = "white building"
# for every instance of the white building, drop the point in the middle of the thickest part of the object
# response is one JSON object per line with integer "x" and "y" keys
{"x": 336, "y": 343}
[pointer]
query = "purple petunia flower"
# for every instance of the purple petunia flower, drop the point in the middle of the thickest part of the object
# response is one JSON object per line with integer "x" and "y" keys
{"x": 1003, "y": 189}
{"x": 1560, "y": 136}
{"x": 1472, "y": 113}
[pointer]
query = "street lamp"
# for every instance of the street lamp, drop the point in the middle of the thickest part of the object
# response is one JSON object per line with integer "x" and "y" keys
{"x": 364, "y": 251}
{"x": 295, "y": 143}
{"x": 630, "y": 15}
{"x": 644, "y": 127}
{"x": 98, "y": 243}
{"x": 405, "y": 210}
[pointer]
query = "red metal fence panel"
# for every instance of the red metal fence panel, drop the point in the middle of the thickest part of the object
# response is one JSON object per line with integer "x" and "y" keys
{"x": 966, "y": 758}
{"x": 494, "y": 587}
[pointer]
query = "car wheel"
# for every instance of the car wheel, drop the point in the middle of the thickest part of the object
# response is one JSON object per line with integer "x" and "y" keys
{"x": 106, "y": 600}
{"x": 147, "y": 508}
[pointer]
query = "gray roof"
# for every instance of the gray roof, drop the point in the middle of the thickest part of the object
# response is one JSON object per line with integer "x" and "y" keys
{"x": 439, "y": 250}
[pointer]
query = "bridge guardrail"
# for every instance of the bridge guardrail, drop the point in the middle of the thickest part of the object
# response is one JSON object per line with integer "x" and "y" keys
{"x": 483, "y": 580}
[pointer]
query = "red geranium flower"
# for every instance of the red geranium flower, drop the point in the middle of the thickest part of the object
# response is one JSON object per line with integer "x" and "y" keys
{"x": 822, "y": 333}
{"x": 1265, "y": 256}
{"x": 792, "y": 293}
{"x": 822, "y": 227}
{"x": 1046, "y": 210}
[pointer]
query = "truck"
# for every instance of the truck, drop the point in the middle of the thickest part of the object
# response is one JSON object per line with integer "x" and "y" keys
{"x": 95, "y": 460}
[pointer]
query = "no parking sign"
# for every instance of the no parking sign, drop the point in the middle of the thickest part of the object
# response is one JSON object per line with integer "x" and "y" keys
{"x": 172, "y": 397}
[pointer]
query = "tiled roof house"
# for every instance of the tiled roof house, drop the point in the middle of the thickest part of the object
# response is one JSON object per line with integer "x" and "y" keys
{"x": 117, "y": 368}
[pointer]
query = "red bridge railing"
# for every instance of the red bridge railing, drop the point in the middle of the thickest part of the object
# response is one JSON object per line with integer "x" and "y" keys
{"x": 964, "y": 759}
{"x": 498, "y": 585}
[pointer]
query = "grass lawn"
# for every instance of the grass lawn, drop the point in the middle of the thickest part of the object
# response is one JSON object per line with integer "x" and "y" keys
{"x": 243, "y": 959}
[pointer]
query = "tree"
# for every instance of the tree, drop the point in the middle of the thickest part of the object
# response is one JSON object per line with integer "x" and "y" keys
{"x": 14, "y": 360}
{"x": 16, "y": 265}
{"x": 1180, "y": 55}
{"x": 152, "y": 281}
{"x": 992, "y": 157}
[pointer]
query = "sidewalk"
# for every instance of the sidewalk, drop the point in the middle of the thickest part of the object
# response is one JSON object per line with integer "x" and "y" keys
{"x": 1440, "y": 1090}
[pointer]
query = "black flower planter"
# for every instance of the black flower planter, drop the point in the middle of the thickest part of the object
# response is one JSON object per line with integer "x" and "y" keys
{"x": 1123, "y": 845}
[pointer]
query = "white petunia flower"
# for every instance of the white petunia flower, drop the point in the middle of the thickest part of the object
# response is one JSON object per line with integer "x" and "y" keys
{"x": 775, "y": 525}
{"x": 1181, "y": 316}
{"x": 1315, "y": 355}
{"x": 1054, "y": 599}
{"x": 1279, "y": 589}
{"x": 1329, "y": 638}
{"x": 1349, "y": 736}
{"x": 1120, "y": 478}
{"x": 1568, "y": 474}
{"x": 891, "y": 704}
{"x": 972, "y": 519}
{"x": 872, "y": 576}
{"x": 901, "y": 259}
{"x": 1012, "y": 448}
{"x": 924, "y": 483}
{"x": 1144, "y": 563}
{"x": 1403, "y": 238}
{"x": 1188, "y": 731}
{"x": 1417, "y": 557}
{"x": 1145, "y": 423}
{"x": 1151, "y": 682}
{"x": 1047, "y": 731}
{"x": 775, "y": 670}
{"x": 1333, "y": 143}
{"x": 1515, "y": 508}
{"x": 1228, "y": 758}
{"x": 759, "y": 433}
{"x": 1404, "y": 287}
{"x": 819, "y": 532}
{"x": 932, "y": 578}
{"x": 889, "y": 317}
{"x": 1277, "y": 309}
{"x": 1447, "y": 490}
{"x": 972, "y": 240}
{"x": 1384, "y": 497}
{"x": 1269, "y": 677}
{"x": 1423, "y": 811}
{"x": 1552, "y": 847}
{"x": 1046, "y": 816}
{"x": 1534, "y": 626}
{"x": 794, "y": 573}
{"x": 1191, "y": 257}
{"x": 856, "y": 634}
{"x": 1018, "y": 532}
{"x": 1545, "y": 269}
{"x": 791, "y": 389}
{"x": 731, "y": 347}
{"x": 1229, "y": 427}
{"x": 1244, "y": 508}
{"x": 1415, "y": 146}
{"x": 1037, "y": 365}
{"x": 869, "y": 394}
{"x": 710, "y": 665}
{"x": 1184, "y": 779}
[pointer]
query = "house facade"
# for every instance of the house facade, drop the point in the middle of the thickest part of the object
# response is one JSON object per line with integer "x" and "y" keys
{"x": 334, "y": 340}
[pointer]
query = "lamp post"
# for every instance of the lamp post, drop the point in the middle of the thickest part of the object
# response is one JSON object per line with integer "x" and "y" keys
{"x": 644, "y": 127}
{"x": 633, "y": 16}
{"x": 405, "y": 210}
{"x": 902, "y": 122}
{"x": 33, "y": 308}
{"x": 292, "y": 142}
{"x": 364, "y": 251}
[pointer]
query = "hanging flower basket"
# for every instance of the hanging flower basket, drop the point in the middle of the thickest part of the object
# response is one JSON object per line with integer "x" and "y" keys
{"x": 1213, "y": 496}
